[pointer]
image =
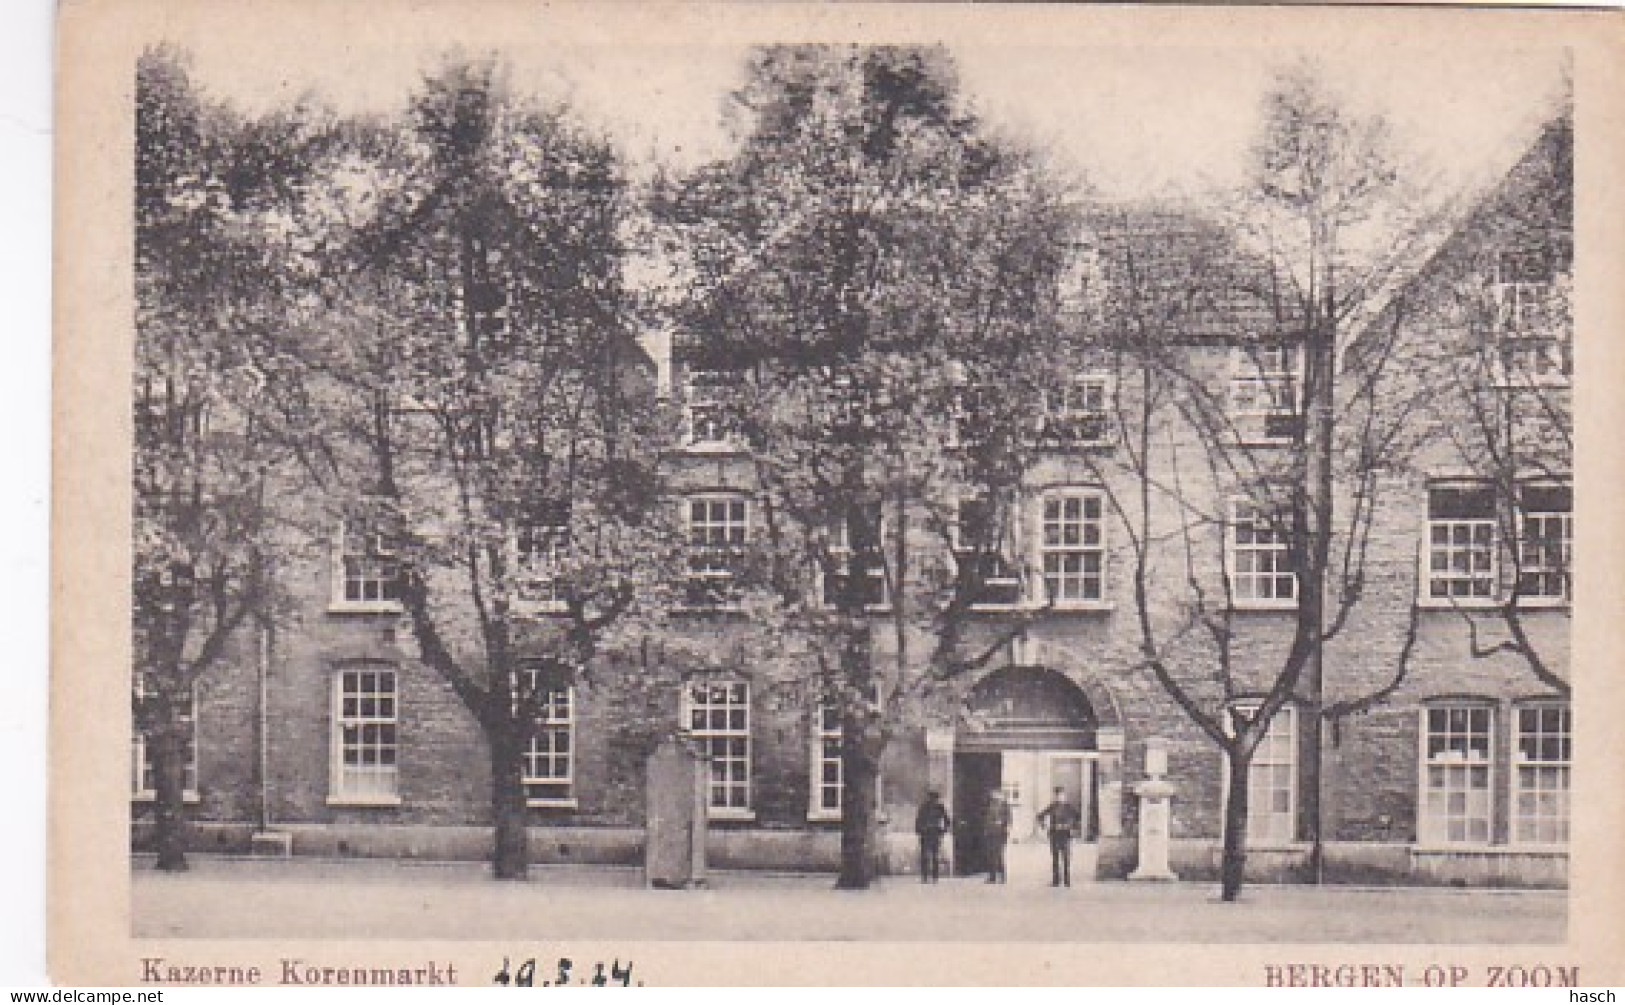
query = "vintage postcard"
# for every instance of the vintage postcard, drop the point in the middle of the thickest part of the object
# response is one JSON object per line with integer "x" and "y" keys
{"x": 718, "y": 494}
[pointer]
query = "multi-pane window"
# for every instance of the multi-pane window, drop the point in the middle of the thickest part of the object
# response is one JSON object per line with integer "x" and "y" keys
{"x": 1456, "y": 800}
{"x": 718, "y": 714}
{"x": 1540, "y": 805}
{"x": 549, "y": 758}
{"x": 369, "y": 567}
{"x": 364, "y": 720}
{"x": 870, "y": 557}
{"x": 1072, "y": 546}
{"x": 1261, "y": 571}
{"x": 827, "y": 777}
{"x": 540, "y": 546}
{"x": 1545, "y": 541}
{"x": 1461, "y": 542}
{"x": 985, "y": 569}
{"x": 144, "y": 779}
{"x": 1266, "y": 388}
{"x": 709, "y": 400}
{"x": 1272, "y": 781}
{"x": 1532, "y": 346}
{"x": 1078, "y": 411}
{"x": 717, "y": 530}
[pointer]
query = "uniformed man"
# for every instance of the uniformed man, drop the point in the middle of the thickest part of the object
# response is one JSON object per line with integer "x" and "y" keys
{"x": 930, "y": 823}
{"x": 1061, "y": 820}
{"x": 996, "y": 833}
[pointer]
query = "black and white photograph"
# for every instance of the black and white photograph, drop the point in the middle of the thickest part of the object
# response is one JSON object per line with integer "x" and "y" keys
{"x": 725, "y": 481}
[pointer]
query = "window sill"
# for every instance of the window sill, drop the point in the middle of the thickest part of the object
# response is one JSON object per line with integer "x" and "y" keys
{"x": 713, "y": 449}
{"x": 1489, "y": 849}
{"x": 823, "y": 816}
{"x": 365, "y": 607}
{"x": 731, "y": 815}
{"x": 552, "y": 804}
{"x": 539, "y": 608}
{"x": 1079, "y": 606}
{"x": 1264, "y": 606}
{"x": 366, "y": 802}
{"x": 146, "y": 796}
{"x": 1544, "y": 603}
{"x": 1459, "y": 603}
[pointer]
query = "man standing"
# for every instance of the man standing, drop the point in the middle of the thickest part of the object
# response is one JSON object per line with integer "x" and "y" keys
{"x": 1061, "y": 819}
{"x": 996, "y": 832}
{"x": 930, "y": 823}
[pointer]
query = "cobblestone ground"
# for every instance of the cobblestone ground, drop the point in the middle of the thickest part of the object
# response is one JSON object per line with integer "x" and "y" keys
{"x": 301, "y": 898}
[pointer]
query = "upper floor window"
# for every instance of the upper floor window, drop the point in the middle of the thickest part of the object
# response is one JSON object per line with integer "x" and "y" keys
{"x": 365, "y": 745}
{"x": 1461, "y": 543}
{"x": 981, "y": 554}
{"x": 1541, "y": 761}
{"x": 718, "y": 528}
{"x": 1266, "y": 390}
{"x": 540, "y": 545}
{"x": 368, "y": 568}
{"x": 1545, "y": 542}
{"x": 549, "y": 757}
{"x": 717, "y": 713}
{"x": 1260, "y": 558}
{"x": 865, "y": 546}
{"x": 1072, "y": 547}
{"x": 709, "y": 399}
{"x": 144, "y": 776}
{"x": 1457, "y": 743}
{"x": 1532, "y": 346}
{"x": 1078, "y": 413}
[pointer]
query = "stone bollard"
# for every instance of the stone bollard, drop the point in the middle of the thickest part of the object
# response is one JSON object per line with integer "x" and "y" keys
{"x": 1156, "y": 795}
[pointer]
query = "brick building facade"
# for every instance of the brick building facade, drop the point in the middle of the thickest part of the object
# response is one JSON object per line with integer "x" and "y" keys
{"x": 1447, "y": 760}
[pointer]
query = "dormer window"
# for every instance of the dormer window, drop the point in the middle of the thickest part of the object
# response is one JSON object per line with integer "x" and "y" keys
{"x": 1266, "y": 391}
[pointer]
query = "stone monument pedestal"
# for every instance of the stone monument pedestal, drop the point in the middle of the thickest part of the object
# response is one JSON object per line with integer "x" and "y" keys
{"x": 1156, "y": 795}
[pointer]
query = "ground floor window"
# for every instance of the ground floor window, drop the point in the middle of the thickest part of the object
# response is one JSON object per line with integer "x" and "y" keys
{"x": 717, "y": 714}
{"x": 1457, "y": 745}
{"x": 1272, "y": 781}
{"x": 365, "y": 742}
{"x": 144, "y": 778}
{"x": 550, "y": 751}
{"x": 1540, "y": 804}
{"x": 827, "y": 777}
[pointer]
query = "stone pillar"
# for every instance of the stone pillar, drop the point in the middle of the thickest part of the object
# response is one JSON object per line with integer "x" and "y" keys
{"x": 1156, "y": 814}
{"x": 1109, "y": 765}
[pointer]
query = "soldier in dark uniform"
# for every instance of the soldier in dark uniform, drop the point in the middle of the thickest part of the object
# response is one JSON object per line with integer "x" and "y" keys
{"x": 1061, "y": 819}
{"x": 996, "y": 833}
{"x": 930, "y": 823}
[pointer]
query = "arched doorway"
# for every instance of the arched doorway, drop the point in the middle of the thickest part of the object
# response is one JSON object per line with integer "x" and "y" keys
{"x": 1023, "y": 730}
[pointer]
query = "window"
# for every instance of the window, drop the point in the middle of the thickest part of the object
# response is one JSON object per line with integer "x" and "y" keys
{"x": 1456, "y": 775}
{"x": 550, "y": 752}
{"x": 985, "y": 571}
{"x": 1461, "y": 543}
{"x": 1531, "y": 344}
{"x": 718, "y": 714}
{"x": 1545, "y": 542}
{"x": 872, "y": 562}
{"x": 1073, "y": 547}
{"x": 1265, "y": 390}
{"x": 1540, "y": 804}
{"x": 540, "y": 545}
{"x": 1272, "y": 781}
{"x": 1078, "y": 413}
{"x": 144, "y": 780}
{"x": 709, "y": 396}
{"x": 1261, "y": 573}
{"x": 827, "y": 779}
{"x": 717, "y": 528}
{"x": 369, "y": 569}
{"x": 364, "y": 719}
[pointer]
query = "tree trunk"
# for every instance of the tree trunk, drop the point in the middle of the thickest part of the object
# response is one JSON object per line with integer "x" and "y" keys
{"x": 860, "y": 768}
{"x": 167, "y": 745}
{"x": 1233, "y": 861}
{"x": 510, "y": 856}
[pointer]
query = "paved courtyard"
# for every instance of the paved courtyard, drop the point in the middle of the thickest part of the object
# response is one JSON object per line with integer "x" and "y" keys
{"x": 304, "y": 898}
